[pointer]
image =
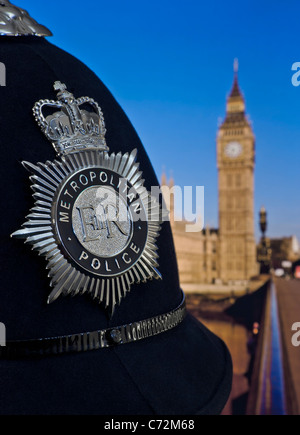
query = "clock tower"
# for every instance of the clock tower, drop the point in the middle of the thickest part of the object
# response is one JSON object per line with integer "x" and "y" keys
{"x": 236, "y": 160}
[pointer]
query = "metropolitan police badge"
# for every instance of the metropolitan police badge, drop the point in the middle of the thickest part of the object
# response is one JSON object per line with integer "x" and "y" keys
{"x": 93, "y": 219}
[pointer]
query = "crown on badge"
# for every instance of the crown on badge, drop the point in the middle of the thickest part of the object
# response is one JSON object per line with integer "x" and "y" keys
{"x": 71, "y": 129}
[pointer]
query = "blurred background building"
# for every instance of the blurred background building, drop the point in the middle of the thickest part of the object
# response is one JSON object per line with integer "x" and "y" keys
{"x": 224, "y": 255}
{"x": 284, "y": 249}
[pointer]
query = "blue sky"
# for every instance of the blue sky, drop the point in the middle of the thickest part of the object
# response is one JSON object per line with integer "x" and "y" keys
{"x": 169, "y": 65}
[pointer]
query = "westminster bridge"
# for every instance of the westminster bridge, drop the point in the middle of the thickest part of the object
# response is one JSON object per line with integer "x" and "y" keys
{"x": 260, "y": 329}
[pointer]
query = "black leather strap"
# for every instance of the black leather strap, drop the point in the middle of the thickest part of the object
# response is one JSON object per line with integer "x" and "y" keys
{"x": 86, "y": 341}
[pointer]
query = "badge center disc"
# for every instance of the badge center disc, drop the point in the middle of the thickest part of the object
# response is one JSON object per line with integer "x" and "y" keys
{"x": 101, "y": 221}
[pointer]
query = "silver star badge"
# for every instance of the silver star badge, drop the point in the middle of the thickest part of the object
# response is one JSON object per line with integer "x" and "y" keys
{"x": 93, "y": 219}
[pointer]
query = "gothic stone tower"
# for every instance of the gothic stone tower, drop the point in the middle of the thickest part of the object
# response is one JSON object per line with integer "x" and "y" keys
{"x": 236, "y": 160}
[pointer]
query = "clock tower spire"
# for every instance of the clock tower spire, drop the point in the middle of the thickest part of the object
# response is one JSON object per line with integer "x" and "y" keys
{"x": 235, "y": 160}
{"x": 235, "y": 101}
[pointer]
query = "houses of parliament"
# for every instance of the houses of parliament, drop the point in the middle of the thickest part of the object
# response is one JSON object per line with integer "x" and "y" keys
{"x": 226, "y": 255}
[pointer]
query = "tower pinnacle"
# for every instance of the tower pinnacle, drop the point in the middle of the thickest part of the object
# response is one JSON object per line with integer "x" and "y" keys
{"x": 235, "y": 99}
{"x": 235, "y": 91}
{"x": 236, "y": 65}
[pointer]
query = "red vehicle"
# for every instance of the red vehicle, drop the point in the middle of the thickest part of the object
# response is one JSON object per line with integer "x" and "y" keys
{"x": 297, "y": 272}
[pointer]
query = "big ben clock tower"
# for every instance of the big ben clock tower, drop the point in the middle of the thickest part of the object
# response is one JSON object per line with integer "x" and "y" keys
{"x": 236, "y": 160}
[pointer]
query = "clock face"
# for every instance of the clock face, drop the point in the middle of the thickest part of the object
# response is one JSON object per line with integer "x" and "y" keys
{"x": 233, "y": 149}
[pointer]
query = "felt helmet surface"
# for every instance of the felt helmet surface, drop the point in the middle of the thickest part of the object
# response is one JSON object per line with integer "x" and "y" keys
{"x": 186, "y": 370}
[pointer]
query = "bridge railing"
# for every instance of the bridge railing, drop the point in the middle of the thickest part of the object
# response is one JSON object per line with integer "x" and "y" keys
{"x": 267, "y": 395}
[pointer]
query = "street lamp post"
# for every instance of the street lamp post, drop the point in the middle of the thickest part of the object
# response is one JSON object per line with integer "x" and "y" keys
{"x": 264, "y": 251}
